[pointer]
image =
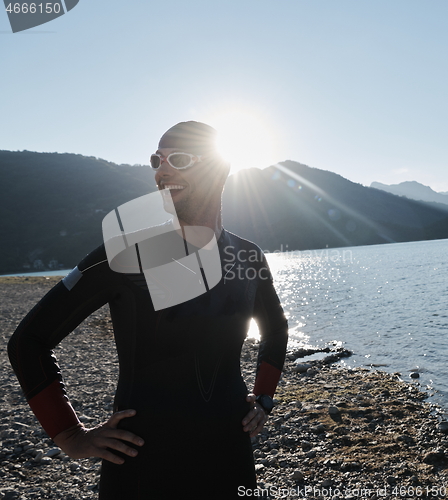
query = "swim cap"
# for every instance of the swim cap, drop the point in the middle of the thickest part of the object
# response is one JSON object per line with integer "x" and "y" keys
{"x": 193, "y": 137}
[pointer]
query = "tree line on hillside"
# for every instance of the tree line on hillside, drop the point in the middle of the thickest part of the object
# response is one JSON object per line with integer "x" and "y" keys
{"x": 306, "y": 208}
{"x": 52, "y": 207}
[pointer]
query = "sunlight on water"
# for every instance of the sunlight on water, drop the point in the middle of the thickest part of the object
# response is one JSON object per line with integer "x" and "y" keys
{"x": 296, "y": 337}
{"x": 386, "y": 303}
{"x": 253, "y": 332}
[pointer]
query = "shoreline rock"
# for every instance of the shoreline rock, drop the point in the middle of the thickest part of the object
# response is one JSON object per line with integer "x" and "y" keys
{"x": 334, "y": 433}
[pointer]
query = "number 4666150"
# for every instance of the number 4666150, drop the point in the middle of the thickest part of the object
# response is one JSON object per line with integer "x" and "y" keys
{"x": 33, "y": 8}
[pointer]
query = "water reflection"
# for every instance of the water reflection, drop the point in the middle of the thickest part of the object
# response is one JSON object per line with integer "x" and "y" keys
{"x": 386, "y": 303}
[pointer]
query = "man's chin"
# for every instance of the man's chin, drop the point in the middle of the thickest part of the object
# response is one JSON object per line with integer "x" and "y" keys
{"x": 175, "y": 208}
{"x": 171, "y": 203}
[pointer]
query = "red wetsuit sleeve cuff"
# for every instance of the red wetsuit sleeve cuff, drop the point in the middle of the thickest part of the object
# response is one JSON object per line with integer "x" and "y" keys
{"x": 53, "y": 410}
{"x": 267, "y": 379}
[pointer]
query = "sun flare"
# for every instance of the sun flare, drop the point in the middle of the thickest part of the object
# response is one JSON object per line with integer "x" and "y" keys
{"x": 245, "y": 140}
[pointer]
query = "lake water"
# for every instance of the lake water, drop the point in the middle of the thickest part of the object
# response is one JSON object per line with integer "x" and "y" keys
{"x": 61, "y": 272}
{"x": 386, "y": 303}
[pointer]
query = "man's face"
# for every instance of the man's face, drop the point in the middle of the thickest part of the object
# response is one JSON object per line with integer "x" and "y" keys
{"x": 192, "y": 188}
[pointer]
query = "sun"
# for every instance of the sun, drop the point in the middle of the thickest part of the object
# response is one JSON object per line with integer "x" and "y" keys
{"x": 244, "y": 139}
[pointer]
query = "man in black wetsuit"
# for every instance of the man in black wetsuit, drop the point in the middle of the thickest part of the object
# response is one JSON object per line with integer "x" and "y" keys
{"x": 181, "y": 403}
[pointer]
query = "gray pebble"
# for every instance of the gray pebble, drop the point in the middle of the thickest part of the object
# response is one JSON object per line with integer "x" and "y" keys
{"x": 54, "y": 452}
{"x": 11, "y": 495}
{"x": 333, "y": 410}
{"x": 297, "y": 476}
{"x": 443, "y": 427}
{"x": 301, "y": 367}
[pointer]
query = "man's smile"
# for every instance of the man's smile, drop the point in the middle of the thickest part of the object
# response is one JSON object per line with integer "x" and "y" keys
{"x": 172, "y": 186}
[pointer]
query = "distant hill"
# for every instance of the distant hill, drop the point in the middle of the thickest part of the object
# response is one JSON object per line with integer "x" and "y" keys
{"x": 413, "y": 190}
{"x": 52, "y": 206}
{"x": 294, "y": 206}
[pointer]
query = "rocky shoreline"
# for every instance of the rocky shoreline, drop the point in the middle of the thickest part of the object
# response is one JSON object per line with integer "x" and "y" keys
{"x": 335, "y": 433}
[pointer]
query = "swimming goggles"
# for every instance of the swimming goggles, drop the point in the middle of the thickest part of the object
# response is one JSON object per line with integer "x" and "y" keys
{"x": 175, "y": 160}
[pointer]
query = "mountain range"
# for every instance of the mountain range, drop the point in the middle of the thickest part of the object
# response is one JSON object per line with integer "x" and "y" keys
{"x": 52, "y": 206}
{"x": 294, "y": 205}
{"x": 413, "y": 190}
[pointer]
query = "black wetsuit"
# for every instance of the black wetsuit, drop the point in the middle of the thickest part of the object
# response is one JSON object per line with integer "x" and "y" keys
{"x": 179, "y": 369}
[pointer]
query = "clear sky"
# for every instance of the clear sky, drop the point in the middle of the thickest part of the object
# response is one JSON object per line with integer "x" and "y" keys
{"x": 356, "y": 87}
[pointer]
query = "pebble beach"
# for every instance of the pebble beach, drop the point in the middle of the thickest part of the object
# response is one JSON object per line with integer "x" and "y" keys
{"x": 334, "y": 434}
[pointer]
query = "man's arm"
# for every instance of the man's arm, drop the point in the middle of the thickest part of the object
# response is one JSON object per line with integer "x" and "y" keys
{"x": 273, "y": 327}
{"x": 30, "y": 349}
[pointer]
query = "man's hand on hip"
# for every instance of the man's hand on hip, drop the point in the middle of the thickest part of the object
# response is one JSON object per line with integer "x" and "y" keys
{"x": 79, "y": 442}
{"x": 254, "y": 421}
